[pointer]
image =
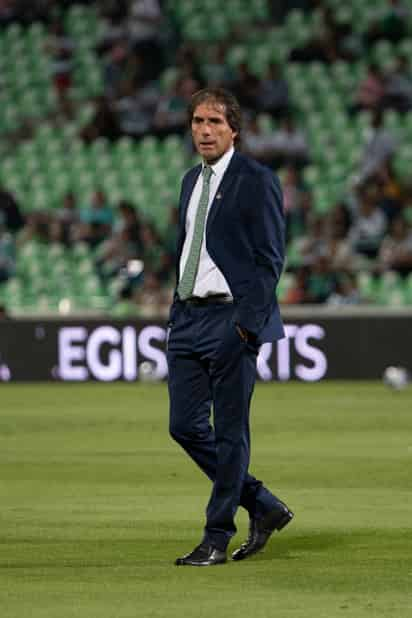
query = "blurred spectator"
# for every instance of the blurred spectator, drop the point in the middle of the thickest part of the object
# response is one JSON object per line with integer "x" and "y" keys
{"x": 379, "y": 148}
{"x": 155, "y": 257}
{"x": 3, "y": 310}
{"x": 151, "y": 247}
{"x": 25, "y": 12}
{"x": 331, "y": 41}
{"x": 56, "y": 235}
{"x": 389, "y": 22}
{"x": 123, "y": 71}
{"x": 246, "y": 87}
{"x": 273, "y": 92}
{"x": 150, "y": 297}
{"x": 67, "y": 218}
{"x": 322, "y": 281}
{"x": 60, "y": 47}
{"x": 68, "y": 213}
{"x": 297, "y": 201}
{"x": 7, "y": 12}
{"x": 166, "y": 270}
{"x": 396, "y": 249}
{"x": 115, "y": 253}
{"x": 338, "y": 248}
{"x": 340, "y": 217}
{"x": 255, "y": 142}
{"x": 115, "y": 69}
{"x": 124, "y": 244}
{"x": 145, "y": 20}
{"x": 370, "y": 91}
{"x": 313, "y": 243}
{"x": 391, "y": 190}
{"x": 171, "y": 113}
{"x": 288, "y": 144}
{"x": 114, "y": 10}
{"x": 103, "y": 124}
{"x": 36, "y": 229}
{"x": 369, "y": 224}
{"x": 135, "y": 112}
{"x": 7, "y": 254}
{"x": 133, "y": 44}
{"x": 296, "y": 294}
{"x": 10, "y": 214}
{"x": 215, "y": 68}
{"x": 398, "y": 86}
{"x": 188, "y": 63}
{"x": 346, "y": 291}
{"x": 114, "y": 13}
{"x": 127, "y": 218}
{"x": 96, "y": 220}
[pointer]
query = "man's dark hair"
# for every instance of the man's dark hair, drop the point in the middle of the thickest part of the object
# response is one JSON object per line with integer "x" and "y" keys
{"x": 222, "y": 97}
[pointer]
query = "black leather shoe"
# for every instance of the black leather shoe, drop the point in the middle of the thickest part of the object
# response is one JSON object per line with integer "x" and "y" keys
{"x": 203, "y": 555}
{"x": 260, "y": 531}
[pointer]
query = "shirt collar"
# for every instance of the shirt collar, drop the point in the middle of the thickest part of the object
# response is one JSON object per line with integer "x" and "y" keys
{"x": 220, "y": 166}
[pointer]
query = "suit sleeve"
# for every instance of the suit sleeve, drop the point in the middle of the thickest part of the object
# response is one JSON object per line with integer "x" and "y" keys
{"x": 267, "y": 237}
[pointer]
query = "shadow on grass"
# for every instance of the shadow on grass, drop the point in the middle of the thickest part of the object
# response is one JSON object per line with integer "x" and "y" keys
{"x": 290, "y": 547}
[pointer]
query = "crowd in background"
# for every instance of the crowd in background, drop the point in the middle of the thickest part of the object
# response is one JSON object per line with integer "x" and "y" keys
{"x": 147, "y": 93}
{"x": 116, "y": 236}
{"x": 368, "y": 232}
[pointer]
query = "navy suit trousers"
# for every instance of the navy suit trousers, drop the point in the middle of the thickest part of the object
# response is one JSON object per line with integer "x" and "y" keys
{"x": 211, "y": 365}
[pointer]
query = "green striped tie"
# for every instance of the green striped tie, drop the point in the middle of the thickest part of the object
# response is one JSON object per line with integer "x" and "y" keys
{"x": 187, "y": 281}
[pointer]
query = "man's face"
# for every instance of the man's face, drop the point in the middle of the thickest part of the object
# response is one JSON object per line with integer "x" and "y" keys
{"x": 211, "y": 132}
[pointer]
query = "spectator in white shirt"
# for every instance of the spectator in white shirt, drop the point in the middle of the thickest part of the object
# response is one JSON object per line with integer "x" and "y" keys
{"x": 396, "y": 249}
{"x": 379, "y": 149}
{"x": 369, "y": 226}
{"x": 289, "y": 143}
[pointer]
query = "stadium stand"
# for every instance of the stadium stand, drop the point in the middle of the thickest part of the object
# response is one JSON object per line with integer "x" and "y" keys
{"x": 92, "y": 101}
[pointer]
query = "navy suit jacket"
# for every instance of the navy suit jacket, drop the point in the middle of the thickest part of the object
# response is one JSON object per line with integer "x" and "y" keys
{"x": 245, "y": 238}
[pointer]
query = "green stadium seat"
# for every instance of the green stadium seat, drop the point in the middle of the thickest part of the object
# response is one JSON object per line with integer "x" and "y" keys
{"x": 124, "y": 308}
{"x": 383, "y": 53}
{"x": 367, "y": 286}
{"x": 286, "y": 282}
{"x": 168, "y": 78}
{"x": 81, "y": 250}
{"x": 408, "y": 289}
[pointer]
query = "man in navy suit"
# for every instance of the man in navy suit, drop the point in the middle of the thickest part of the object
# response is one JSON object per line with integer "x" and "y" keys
{"x": 230, "y": 256}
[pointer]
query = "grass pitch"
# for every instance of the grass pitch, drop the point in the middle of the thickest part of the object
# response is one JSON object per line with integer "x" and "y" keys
{"x": 97, "y": 502}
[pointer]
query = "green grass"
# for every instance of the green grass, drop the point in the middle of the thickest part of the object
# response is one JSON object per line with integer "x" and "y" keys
{"x": 96, "y": 502}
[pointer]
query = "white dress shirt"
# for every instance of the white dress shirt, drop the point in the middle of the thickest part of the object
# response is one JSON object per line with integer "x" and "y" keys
{"x": 209, "y": 279}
